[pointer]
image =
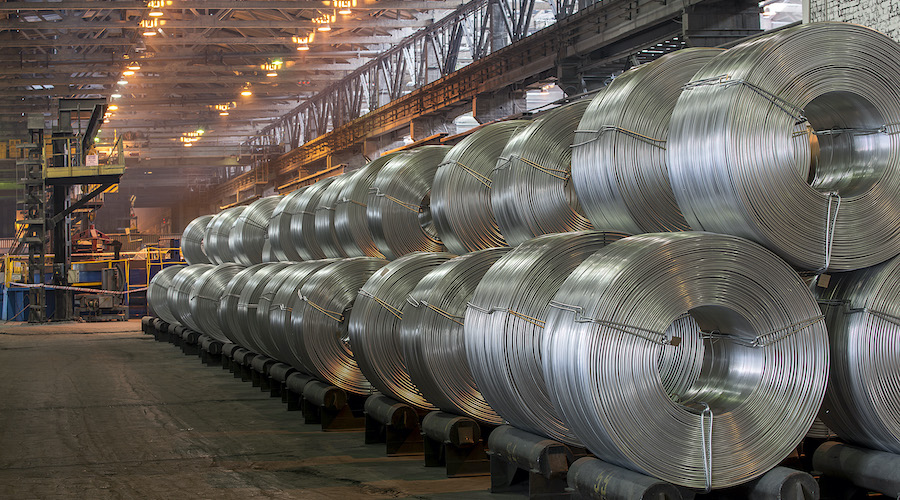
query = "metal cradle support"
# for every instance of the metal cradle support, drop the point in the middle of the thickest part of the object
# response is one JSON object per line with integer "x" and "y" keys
{"x": 259, "y": 371}
{"x": 334, "y": 408}
{"x": 278, "y": 374}
{"x": 393, "y": 423}
{"x": 524, "y": 461}
{"x": 456, "y": 443}
{"x": 868, "y": 469}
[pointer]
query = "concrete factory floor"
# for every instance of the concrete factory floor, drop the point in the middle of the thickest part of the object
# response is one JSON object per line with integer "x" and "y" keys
{"x": 103, "y": 411}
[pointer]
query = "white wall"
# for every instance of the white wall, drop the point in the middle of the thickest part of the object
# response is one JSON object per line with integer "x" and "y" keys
{"x": 882, "y": 15}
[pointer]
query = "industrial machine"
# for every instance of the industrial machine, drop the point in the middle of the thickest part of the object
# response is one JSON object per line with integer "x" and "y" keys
{"x": 104, "y": 306}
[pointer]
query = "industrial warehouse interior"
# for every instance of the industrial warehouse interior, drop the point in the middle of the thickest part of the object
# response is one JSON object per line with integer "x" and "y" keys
{"x": 470, "y": 249}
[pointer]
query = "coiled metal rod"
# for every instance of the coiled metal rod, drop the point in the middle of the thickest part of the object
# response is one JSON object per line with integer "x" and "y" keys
{"x": 762, "y": 375}
{"x": 531, "y": 192}
{"x": 399, "y": 203}
{"x": 461, "y": 193}
{"x": 158, "y": 291}
{"x": 619, "y": 154}
{"x": 303, "y": 227}
{"x": 862, "y": 403}
{"x": 504, "y": 325}
{"x": 231, "y": 317}
{"x": 179, "y": 295}
{"x": 206, "y": 294}
{"x": 215, "y": 243}
{"x": 324, "y": 219}
{"x": 319, "y": 322}
{"x": 247, "y": 239}
{"x": 283, "y": 216}
{"x": 432, "y": 337}
{"x": 375, "y": 323}
{"x": 350, "y": 223}
{"x": 793, "y": 140}
{"x": 192, "y": 240}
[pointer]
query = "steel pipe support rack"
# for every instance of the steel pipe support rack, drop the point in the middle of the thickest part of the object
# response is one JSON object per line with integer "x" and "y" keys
{"x": 395, "y": 424}
{"x": 259, "y": 371}
{"x": 456, "y": 443}
{"x": 210, "y": 350}
{"x": 228, "y": 354}
{"x": 278, "y": 375}
{"x": 871, "y": 470}
{"x": 590, "y": 478}
{"x": 524, "y": 461}
{"x": 190, "y": 341}
{"x": 293, "y": 393}
{"x": 332, "y": 407}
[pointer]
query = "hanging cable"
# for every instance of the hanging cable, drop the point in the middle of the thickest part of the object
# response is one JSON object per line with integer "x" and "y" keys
{"x": 763, "y": 363}
{"x": 531, "y": 192}
{"x": 375, "y": 323}
{"x": 350, "y": 223}
{"x": 619, "y": 152}
{"x": 432, "y": 337}
{"x": 192, "y": 240}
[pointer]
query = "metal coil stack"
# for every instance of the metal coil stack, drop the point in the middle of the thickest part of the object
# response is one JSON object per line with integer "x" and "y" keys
{"x": 764, "y": 368}
{"x": 215, "y": 242}
{"x": 319, "y": 322}
{"x": 862, "y": 403}
{"x": 288, "y": 208}
{"x": 504, "y": 326}
{"x": 375, "y": 323}
{"x": 158, "y": 291}
{"x": 325, "y": 233}
{"x": 303, "y": 227}
{"x": 192, "y": 240}
{"x": 231, "y": 317}
{"x": 179, "y": 295}
{"x": 619, "y": 154}
{"x": 206, "y": 294}
{"x": 801, "y": 150}
{"x": 350, "y": 223}
{"x": 432, "y": 337}
{"x": 399, "y": 203}
{"x": 247, "y": 239}
{"x": 461, "y": 193}
{"x": 531, "y": 192}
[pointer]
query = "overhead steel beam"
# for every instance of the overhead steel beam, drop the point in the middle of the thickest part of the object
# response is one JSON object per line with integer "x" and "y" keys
{"x": 32, "y": 63}
{"x": 194, "y": 40}
{"x": 178, "y": 69}
{"x": 209, "y": 22}
{"x": 226, "y": 4}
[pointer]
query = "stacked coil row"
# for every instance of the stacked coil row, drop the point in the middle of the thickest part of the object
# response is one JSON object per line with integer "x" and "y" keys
{"x": 694, "y": 357}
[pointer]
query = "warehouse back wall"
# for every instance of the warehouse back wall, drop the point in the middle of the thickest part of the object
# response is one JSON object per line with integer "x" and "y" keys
{"x": 883, "y": 15}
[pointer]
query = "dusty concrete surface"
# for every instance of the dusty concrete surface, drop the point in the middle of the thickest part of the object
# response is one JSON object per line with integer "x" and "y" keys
{"x": 104, "y": 411}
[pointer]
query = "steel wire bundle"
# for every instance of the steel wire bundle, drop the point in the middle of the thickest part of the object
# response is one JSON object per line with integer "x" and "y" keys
{"x": 192, "y": 241}
{"x": 350, "y": 223}
{"x": 461, "y": 193}
{"x": 324, "y": 219}
{"x": 399, "y": 203}
{"x": 433, "y": 340}
{"x": 531, "y": 191}
{"x": 247, "y": 238}
{"x": 793, "y": 140}
{"x": 158, "y": 291}
{"x": 231, "y": 317}
{"x": 862, "y": 402}
{"x": 179, "y": 294}
{"x": 206, "y": 294}
{"x": 215, "y": 243}
{"x": 272, "y": 330}
{"x": 764, "y": 366}
{"x": 375, "y": 323}
{"x": 303, "y": 225}
{"x": 319, "y": 322}
{"x": 619, "y": 154}
{"x": 283, "y": 216}
{"x": 504, "y": 325}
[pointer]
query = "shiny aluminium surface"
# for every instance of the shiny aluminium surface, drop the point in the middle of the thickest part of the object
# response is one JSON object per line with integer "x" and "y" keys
{"x": 179, "y": 294}
{"x": 288, "y": 208}
{"x": 158, "y": 290}
{"x": 303, "y": 226}
{"x": 206, "y": 294}
{"x": 192, "y": 240}
{"x": 230, "y": 311}
{"x": 247, "y": 239}
{"x": 215, "y": 242}
{"x": 325, "y": 234}
{"x": 350, "y": 223}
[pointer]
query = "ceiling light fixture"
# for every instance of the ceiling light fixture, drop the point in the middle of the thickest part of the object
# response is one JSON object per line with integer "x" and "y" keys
{"x": 134, "y": 66}
{"x": 246, "y": 92}
{"x": 344, "y": 6}
{"x": 122, "y": 82}
{"x": 324, "y": 21}
{"x": 223, "y": 113}
{"x": 155, "y": 6}
{"x": 112, "y": 107}
{"x": 128, "y": 73}
{"x": 115, "y": 96}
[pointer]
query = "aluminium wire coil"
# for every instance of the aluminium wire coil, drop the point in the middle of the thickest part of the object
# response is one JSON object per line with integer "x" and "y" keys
{"x": 619, "y": 154}
{"x": 862, "y": 403}
{"x": 215, "y": 243}
{"x": 399, "y": 203}
{"x": 320, "y": 313}
{"x": 531, "y": 192}
{"x": 303, "y": 226}
{"x": 793, "y": 140}
{"x": 763, "y": 369}
{"x": 326, "y": 235}
{"x": 288, "y": 208}
{"x": 158, "y": 291}
{"x": 432, "y": 337}
{"x": 350, "y": 223}
{"x": 461, "y": 193}
{"x": 230, "y": 310}
{"x": 272, "y": 330}
{"x": 192, "y": 241}
{"x": 206, "y": 294}
{"x": 374, "y": 326}
{"x": 247, "y": 239}
{"x": 504, "y": 325}
{"x": 179, "y": 295}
